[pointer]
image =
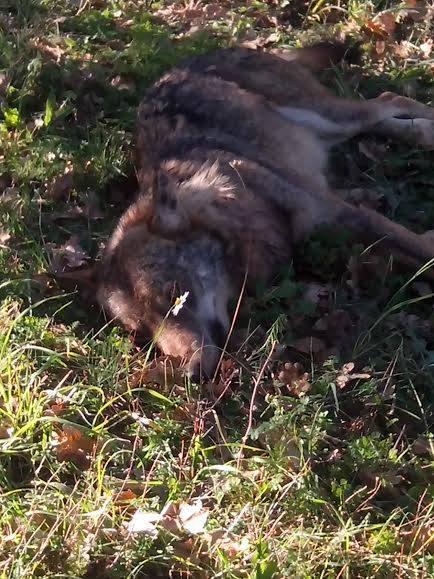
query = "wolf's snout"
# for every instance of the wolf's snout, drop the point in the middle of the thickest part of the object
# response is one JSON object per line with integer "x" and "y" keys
{"x": 203, "y": 363}
{"x": 197, "y": 348}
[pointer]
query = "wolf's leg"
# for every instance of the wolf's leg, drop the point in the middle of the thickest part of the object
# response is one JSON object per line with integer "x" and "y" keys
{"x": 417, "y": 131}
{"x": 336, "y": 120}
{"x": 299, "y": 97}
{"x": 308, "y": 209}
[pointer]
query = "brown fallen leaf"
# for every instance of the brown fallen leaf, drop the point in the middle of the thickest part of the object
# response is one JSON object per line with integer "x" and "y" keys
{"x": 56, "y": 409}
{"x": 6, "y": 431}
{"x": 295, "y": 380}
{"x": 403, "y": 49}
{"x": 75, "y": 446}
{"x": 346, "y": 375}
{"x": 124, "y": 497}
{"x": 5, "y": 180}
{"x": 51, "y": 50}
{"x": 62, "y": 185}
{"x": 423, "y": 446}
{"x": 185, "y": 413}
{"x": 374, "y": 30}
{"x": 426, "y": 48}
{"x": 387, "y": 21}
{"x": 419, "y": 539}
{"x": 4, "y": 238}
{"x": 232, "y": 545}
{"x": 68, "y": 256}
{"x": 165, "y": 371}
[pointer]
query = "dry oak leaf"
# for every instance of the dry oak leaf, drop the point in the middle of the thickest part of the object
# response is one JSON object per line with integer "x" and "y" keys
{"x": 174, "y": 518}
{"x": 347, "y": 375}
{"x": 165, "y": 371}
{"x": 61, "y": 186}
{"x": 4, "y": 238}
{"x": 382, "y": 26}
{"x": 68, "y": 256}
{"x": 294, "y": 378}
{"x": 75, "y": 446}
{"x": 419, "y": 539}
{"x": 423, "y": 446}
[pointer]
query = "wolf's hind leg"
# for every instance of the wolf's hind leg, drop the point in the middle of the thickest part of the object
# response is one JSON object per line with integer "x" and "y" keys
{"x": 417, "y": 131}
{"x": 336, "y": 120}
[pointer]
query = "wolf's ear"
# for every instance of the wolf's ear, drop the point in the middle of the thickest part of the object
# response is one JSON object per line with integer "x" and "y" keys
{"x": 164, "y": 192}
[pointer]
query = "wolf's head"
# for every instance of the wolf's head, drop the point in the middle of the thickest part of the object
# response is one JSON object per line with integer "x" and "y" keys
{"x": 173, "y": 289}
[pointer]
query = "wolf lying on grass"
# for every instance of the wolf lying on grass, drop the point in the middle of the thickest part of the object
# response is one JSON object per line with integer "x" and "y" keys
{"x": 231, "y": 154}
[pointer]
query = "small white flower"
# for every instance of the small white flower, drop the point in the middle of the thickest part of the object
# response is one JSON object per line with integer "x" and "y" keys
{"x": 38, "y": 122}
{"x": 50, "y": 156}
{"x": 179, "y": 303}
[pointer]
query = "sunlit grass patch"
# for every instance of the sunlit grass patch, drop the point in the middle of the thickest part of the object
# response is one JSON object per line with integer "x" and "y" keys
{"x": 311, "y": 454}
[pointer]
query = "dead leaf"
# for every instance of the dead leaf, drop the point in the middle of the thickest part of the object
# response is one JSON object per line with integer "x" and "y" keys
{"x": 374, "y": 30}
{"x": 48, "y": 49}
{"x": 68, "y": 256}
{"x": 229, "y": 543}
{"x": 185, "y": 413}
{"x": 176, "y": 518}
{"x": 165, "y": 371}
{"x": 124, "y": 497}
{"x": 347, "y": 375}
{"x": 74, "y": 446}
{"x": 56, "y": 409}
{"x": 61, "y": 186}
{"x": 380, "y": 47}
{"x": 419, "y": 539}
{"x": 293, "y": 377}
{"x": 4, "y": 238}
{"x": 403, "y": 49}
{"x": 6, "y": 432}
{"x": 426, "y": 48}
{"x": 143, "y": 523}
{"x": 344, "y": 377}
{"x": 423, "y": 446}
{"x": 387, "y": 20}
{"x": 193, "y": 517}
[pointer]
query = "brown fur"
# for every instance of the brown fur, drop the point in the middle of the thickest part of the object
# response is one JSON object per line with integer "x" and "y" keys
{"x": 231, "y": 152}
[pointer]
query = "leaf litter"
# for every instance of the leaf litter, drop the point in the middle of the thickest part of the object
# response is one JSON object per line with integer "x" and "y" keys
{"x": 68, "y": 256}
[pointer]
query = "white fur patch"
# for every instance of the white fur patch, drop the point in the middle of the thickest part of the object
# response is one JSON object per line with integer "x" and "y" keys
{"x": 310, "y": 119}
{"x": 213, "y": 305}
{"x": 209, "y": 176}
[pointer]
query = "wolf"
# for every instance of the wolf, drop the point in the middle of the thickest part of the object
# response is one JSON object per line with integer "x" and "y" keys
{"x": 231, "y": 153}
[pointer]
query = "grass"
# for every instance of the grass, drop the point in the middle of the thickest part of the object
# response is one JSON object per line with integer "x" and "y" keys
{"x": 271, "y": 471}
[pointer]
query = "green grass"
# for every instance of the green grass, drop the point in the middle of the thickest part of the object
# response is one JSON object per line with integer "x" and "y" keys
{"x": 319, "y": 475}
